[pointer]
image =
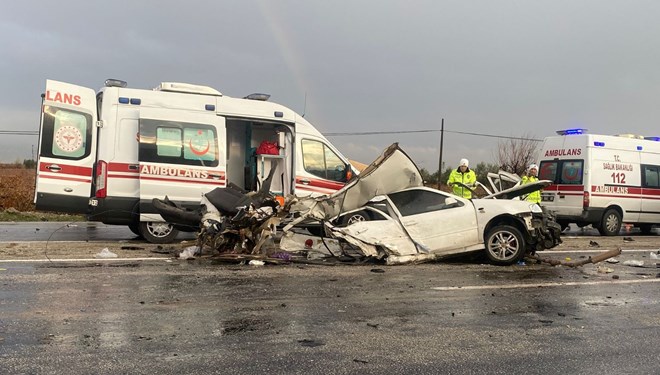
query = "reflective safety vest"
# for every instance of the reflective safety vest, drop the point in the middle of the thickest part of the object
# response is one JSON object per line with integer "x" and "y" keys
{"x": 468, "y": 178}
{"x": 534, "y": 197}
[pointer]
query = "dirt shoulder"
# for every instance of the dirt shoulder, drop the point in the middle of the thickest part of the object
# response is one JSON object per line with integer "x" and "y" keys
{"x": 41, "y": 250}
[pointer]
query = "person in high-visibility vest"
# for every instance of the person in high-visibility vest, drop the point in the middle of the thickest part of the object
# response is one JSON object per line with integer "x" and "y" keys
{"x": 464, "y": 175}
{"x": 529, "y": 178}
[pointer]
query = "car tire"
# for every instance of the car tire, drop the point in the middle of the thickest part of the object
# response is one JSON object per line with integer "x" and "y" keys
{"x": 354, "y": 217}
{"x": 610, "y": 225}
{"x": 157, "y": 232}
{"x": 505, "y": 245}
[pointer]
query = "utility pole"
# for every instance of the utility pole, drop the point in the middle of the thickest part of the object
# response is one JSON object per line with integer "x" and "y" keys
{"x": 442, "y": 133}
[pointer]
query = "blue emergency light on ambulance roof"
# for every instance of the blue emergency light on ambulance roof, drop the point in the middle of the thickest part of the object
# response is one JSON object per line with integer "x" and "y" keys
{"x": 573, "y": 131}
{"x": 136, "y": 101}
{"x": 657, "y": 139}
{"x": 279, "y": 114}
{"x": 123, "y": 100}
{"x": 599, "y": 144}
{"x": 209, "y": 107}
{"x": 639, "y": 148}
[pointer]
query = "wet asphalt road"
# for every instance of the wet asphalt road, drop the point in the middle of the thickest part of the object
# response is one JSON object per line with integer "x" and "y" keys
{"x": 205, "y": 317}
{"x": 74, "y": 231}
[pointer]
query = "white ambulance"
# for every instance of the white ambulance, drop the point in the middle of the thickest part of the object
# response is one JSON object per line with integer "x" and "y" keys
{"x": 602, "y": 180}
{"x": 108, "y": 154}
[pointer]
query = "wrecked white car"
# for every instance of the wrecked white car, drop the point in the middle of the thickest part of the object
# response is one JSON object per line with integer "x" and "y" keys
{"x": 386, "y": 213}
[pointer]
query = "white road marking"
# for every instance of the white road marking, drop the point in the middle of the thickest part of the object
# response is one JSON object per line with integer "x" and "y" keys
{"x": 541, "y": 285}
{"x": 593, "y": 251}
{"x": 77, "y": 260}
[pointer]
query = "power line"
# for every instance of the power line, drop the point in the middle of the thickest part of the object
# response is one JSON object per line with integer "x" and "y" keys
{"x": 18, "y": 132}
{"x": 34, "y": 133}
{"x": 429, "y": 131}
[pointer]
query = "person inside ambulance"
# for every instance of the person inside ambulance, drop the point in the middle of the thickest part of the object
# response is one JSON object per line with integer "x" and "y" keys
{"x": 529, "y": 178}
{"x": 465, "y": 176}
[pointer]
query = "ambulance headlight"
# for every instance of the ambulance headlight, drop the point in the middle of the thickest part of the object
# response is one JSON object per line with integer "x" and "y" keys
{"x": 535, "y": 208}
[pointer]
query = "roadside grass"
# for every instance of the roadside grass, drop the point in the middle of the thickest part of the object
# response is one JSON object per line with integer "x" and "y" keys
{"x": 13, "y": 215}
{"x": 16, "y": 195}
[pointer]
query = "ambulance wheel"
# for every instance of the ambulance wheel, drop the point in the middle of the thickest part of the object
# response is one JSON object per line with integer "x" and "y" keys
{"x": 610, "y": 225}
{"x": 135, "y": 228}
{"x": 505, "y": 245}
{"x": 157, "y": 232}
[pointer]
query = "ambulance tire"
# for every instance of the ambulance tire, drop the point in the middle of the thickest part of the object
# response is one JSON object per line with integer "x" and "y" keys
{"x": 135, "y": 228}
{"x": 610, "y": 225}
{"x": 158, "y": 232}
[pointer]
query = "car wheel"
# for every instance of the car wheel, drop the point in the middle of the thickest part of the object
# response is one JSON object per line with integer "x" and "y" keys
{"x": 610, "y": 225}
{"x": 354, "y": 217}
{"x": 504, "y": 245}
{"x": 157, "y": 232}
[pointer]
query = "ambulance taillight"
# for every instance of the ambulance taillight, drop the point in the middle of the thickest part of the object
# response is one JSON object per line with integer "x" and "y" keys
{"x": 101, "y": 179}
{"x": 585, "y": 200}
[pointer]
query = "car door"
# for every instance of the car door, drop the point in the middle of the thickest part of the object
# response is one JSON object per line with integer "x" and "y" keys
{"x": 67, "y": 148}
{"x": 433, "y": 223}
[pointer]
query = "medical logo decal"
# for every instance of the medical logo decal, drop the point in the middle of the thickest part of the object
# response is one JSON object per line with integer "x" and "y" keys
{"x": 199, "y": 144}
{"x": 69, "y": 139}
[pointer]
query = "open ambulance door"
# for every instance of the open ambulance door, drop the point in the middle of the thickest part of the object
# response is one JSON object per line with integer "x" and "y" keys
{"x": 67, "y": 148}
{"x": 181, "y": 156}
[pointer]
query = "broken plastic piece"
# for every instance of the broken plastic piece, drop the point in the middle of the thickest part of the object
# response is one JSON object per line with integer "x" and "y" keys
{"x": 190, "y": 252}
{"x": 105, "y": 253}
{"x": 634, "y": 263}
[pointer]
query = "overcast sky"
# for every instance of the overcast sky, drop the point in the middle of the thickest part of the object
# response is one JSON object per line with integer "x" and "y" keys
{"x": 511, "y": 68}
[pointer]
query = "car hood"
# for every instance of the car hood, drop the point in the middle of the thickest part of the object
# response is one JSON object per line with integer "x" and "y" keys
{"x": 519, "y": 190}
{"x": 392, "y": 171}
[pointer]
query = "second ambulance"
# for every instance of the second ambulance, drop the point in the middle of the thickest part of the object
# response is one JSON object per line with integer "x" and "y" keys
{"x": 602, "y": 180}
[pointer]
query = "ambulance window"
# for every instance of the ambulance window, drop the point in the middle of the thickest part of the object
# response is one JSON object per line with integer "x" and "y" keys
{"x": 168, "y": 142}
{"x": 178, "y": 143}
{"x": 66, "y": 134}
{"x": 571, "y": 172}
{"x": 321, "y": 161}
{"x": 548, "y": 170}
{"x": 651, "y": 176}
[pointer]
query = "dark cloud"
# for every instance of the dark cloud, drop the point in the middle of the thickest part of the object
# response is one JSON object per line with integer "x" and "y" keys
{"x": 504, "y": 67}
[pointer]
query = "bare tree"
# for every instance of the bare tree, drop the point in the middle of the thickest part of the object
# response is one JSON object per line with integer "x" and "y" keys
{"x": 515, "y": 154}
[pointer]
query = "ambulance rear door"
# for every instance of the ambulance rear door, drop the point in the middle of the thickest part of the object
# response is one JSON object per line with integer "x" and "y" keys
{"x": 67, "y": 148}
{"x": 562, "y": 161}
{"x": 181, "y": 156}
